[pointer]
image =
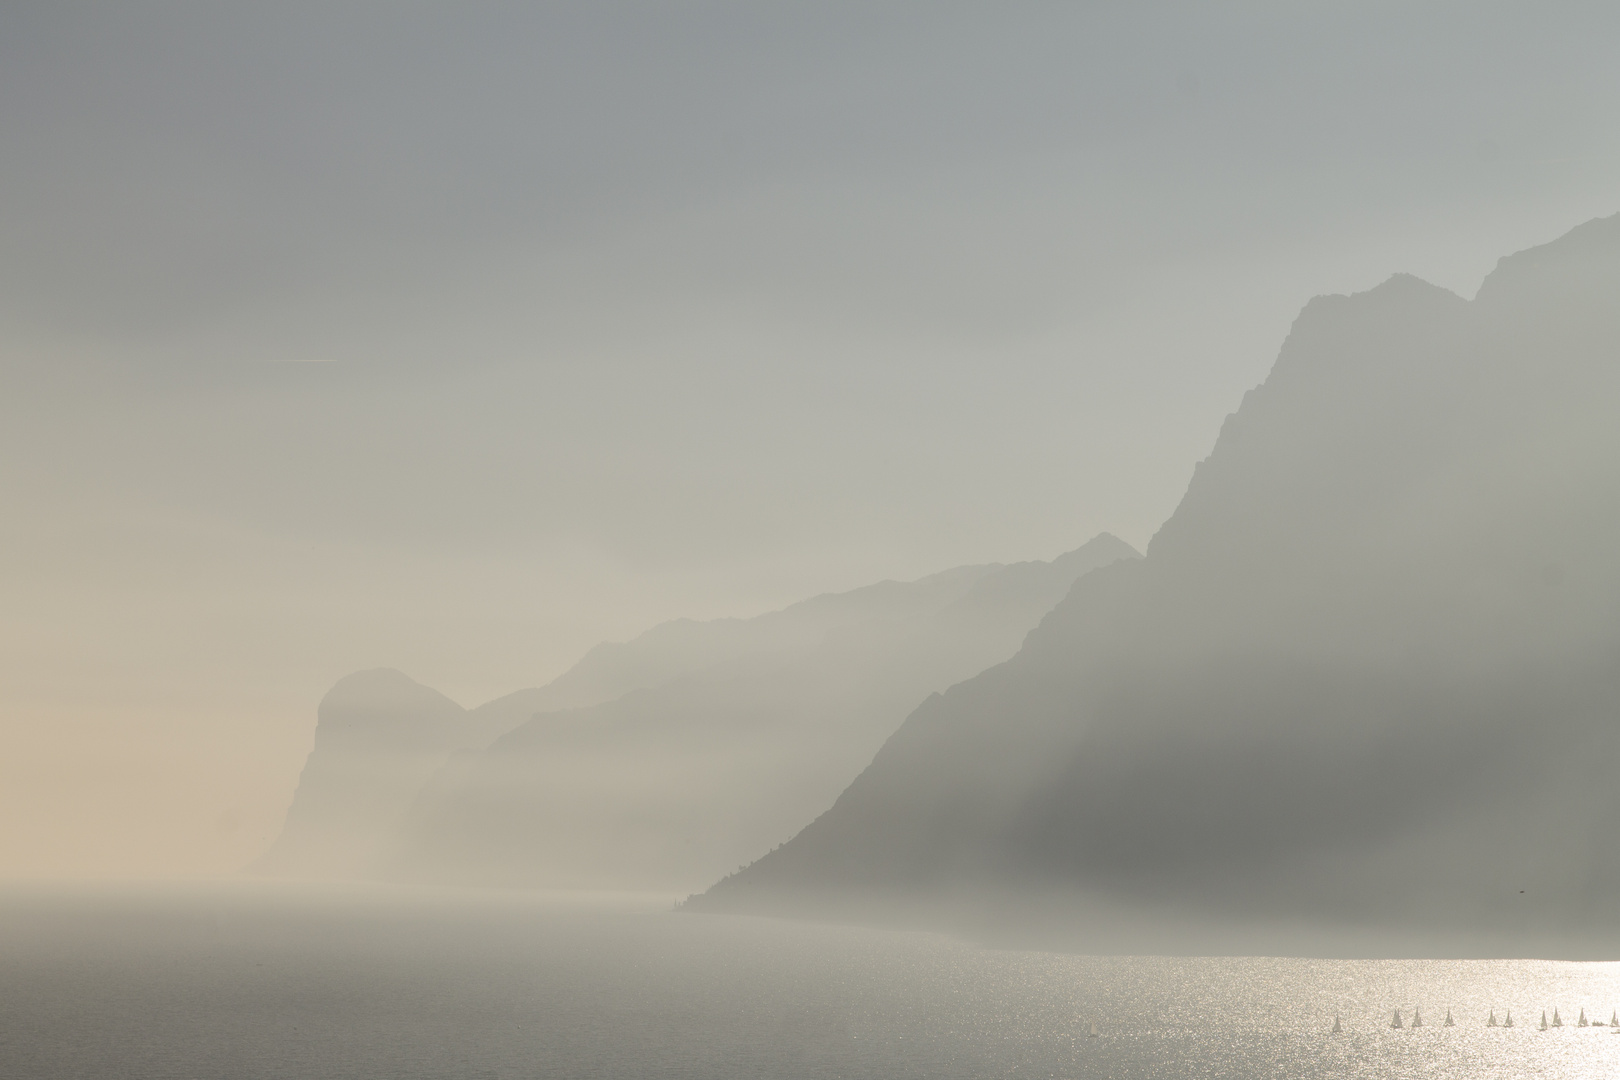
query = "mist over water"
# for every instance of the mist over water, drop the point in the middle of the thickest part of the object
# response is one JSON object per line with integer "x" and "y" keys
{"x": 930, "y": 540}
{"x": 360, "y": 985}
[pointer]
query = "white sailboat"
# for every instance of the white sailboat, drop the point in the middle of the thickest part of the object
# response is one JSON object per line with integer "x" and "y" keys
{"x": 1509, "y": 1022}
{"x": 1335, "y": 1023}
{"x": 1543, "y": 1019}
{"x": 1395, "y": 1023}
{"x": 1492, "y": 1021}
{"x": 1417, "y": 1017}
{"x": 1614, "y": 1019}
{"x": 1556, "y": 1022}
{"x": 1449, "y": 1021}
{"x": 1092, "y": 1034}
{"x": 1582, "y": 1021}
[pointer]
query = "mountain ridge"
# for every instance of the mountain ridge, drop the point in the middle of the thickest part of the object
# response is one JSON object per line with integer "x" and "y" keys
{"x": 365, "y": 779}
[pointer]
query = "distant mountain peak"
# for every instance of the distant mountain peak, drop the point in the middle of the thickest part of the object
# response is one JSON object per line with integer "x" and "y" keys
{"x": 381, "y": 690}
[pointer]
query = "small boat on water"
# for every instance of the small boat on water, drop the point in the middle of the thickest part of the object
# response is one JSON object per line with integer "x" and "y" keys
{"x": 1509, "y": 1021}
{"x": 1614, "y": 1019}
{"x": 1582, "y": 1021}
{"x": 1543, "y": 1019}
{"x": 1336, "y": 1023}
{"x": 1449, "y": 1021}
{"x": 1417, "y": 1017}
{"x": 1092, "y": 1034}
{"x": 1556, "y": 1022}
{"x": 1395, "y": 1023}
{"x": 1492, "y": 1021}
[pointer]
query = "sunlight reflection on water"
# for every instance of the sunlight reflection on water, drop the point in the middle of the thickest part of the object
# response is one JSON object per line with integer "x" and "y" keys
{"x": 248, "y": 987}
{"x": 1274, "y": 1017}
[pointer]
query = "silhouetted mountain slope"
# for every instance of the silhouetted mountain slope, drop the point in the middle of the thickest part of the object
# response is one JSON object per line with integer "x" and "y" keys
{"x": 659, "y": 762}
{"x": 1365, "y": 676}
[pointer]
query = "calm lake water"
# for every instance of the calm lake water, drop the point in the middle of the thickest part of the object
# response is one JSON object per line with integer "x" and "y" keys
{"x": 236, "y": 984}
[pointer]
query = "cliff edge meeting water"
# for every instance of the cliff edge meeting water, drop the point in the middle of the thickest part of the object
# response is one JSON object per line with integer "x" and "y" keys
{"x": 809, "y": 540}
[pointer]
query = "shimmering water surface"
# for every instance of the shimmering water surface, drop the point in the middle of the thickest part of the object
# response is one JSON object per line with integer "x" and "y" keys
{"x": 240, "y": 985}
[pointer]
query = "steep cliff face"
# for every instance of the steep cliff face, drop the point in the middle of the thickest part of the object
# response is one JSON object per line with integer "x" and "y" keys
{"x": 379, "y": 737}
{"x": 1365, "y": 675}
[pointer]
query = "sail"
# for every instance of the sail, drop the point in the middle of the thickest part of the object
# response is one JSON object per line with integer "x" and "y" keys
{"x": 1509, "y": 1019}
{"x": 1557, "y": 1022}
{"x": 1449, "y": 1021}
{"x": 1395, "y": 1023}
{"x": 1417, "y": 1018}
{"x": 1543, "y": 1019}
{"x": 1335, "y": 1023}
{"x": 1492, "y": 1021}
{"x": 1582, "y": 1022}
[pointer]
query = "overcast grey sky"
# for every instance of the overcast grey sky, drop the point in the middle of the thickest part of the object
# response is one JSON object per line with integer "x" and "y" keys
{"x": 658, "y": 310}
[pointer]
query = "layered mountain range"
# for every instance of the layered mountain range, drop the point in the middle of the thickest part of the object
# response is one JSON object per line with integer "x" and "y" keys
{"x": 656, "y": 764}
{"x": 1363, "y": 689}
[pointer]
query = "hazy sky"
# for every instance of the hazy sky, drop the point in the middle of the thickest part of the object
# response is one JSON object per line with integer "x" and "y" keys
{"x": 661, "y": 310}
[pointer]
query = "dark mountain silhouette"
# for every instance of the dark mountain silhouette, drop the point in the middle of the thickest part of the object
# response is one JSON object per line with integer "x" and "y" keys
{"x": 655, "y": 763}
{"x": 1364, "y": 682}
